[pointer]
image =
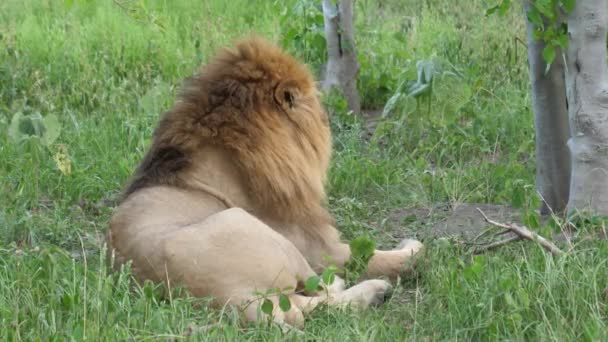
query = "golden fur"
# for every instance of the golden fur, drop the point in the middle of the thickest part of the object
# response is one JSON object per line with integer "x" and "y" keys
{"x": 284, "y": 148}
{"x": 230, "y": 197}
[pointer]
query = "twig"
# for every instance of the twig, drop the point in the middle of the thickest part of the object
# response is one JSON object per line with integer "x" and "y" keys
{"x": 484, "y": 232}
{"x": 561, "y": 226}
{"x": 496, "y": 244}
{"x": 502, "y": 232}
{"x": 480, "y": 235}
{"x": 525, "y": 233}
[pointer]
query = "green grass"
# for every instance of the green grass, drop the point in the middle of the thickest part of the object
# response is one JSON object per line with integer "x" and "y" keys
{"x": 108, "y": 75}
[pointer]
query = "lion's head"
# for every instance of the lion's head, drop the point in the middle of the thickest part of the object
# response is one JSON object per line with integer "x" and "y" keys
{"x": 262, "y": 106}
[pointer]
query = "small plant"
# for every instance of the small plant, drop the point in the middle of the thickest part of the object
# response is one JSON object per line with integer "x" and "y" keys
{"x": 25, "y": 127}
{"x": 311, "y": 285}
{"x": 268, "y": 306}
{"x": 35, "y": 131}
{"x": 362, "y": 250}
{"x": 427, "y": 71}
{"x": 342, "y": 119}
{"x": 302, "y": 31}
{"x": 546, "y": 15}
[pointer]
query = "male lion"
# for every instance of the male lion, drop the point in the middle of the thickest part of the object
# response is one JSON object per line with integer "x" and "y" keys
{"x": 229, "y": 198}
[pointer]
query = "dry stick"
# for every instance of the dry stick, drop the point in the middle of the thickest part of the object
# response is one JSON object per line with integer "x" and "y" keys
{"x": 502, "y": 232}
{"x": 561, "y": 226}
{"x": 525, "y": 233}
{"x": 496, "y": 244}
{"x": 484, "y": 232}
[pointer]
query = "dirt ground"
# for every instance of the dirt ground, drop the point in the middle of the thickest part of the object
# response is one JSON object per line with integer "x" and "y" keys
{"x": 463, "y": 221}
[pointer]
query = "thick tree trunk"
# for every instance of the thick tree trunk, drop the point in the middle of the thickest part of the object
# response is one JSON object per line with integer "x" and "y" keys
{"x": 342, "y": 65}
{"x": 551, "y": 123}
{"x": 588, "y": 106}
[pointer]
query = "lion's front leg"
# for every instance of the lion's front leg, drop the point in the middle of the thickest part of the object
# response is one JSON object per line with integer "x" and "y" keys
{"x": 383, "y": 263}
{"x": 327, "y": 249}
{"x": 396, "y": 262}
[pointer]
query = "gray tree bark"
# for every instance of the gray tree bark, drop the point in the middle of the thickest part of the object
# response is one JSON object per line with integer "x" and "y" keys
{"x": 342, "y": 66}
{"x": 551, "y": 124}
{"x": 587, "y": 93}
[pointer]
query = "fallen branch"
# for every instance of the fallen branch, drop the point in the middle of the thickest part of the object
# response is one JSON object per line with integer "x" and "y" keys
{"x": 524, "y": 233}
{"x": 496, "y": 244}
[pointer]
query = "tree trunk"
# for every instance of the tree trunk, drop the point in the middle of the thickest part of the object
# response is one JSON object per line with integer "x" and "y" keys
{"x": 588, "y": 106}
{"x": 342, "y": 65}
{"x": 551, "y": 123}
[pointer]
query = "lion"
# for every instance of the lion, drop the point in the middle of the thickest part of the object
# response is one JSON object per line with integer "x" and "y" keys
{"x": 229, "y": 199}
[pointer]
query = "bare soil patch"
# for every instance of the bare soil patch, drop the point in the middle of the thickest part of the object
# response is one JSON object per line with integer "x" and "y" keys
{"x": 463, "y": 221}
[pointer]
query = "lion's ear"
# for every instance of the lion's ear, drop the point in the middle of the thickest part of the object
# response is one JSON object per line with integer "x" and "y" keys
{"x": 286, "y": 95}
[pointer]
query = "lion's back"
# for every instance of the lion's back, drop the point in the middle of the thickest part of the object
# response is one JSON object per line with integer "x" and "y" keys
{"x": 141, "y": 222}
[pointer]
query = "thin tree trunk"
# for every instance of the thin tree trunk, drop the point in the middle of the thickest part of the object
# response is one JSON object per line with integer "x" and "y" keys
{"x": 588, "y": 106}
{"x": 342, "y": 65}
{"x": 551, "y": 123}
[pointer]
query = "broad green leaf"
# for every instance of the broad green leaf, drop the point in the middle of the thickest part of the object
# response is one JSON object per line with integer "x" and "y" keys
{"x": 534, "y": 17}
{"x": 501, "y": 8}
{"x": 273, "y": 291}
{"x": 329, "y": 275}
{"x": 546, "y": 7}
{"x": 504, "y": 7}
{"x": 13, "y": 129}
{"x": 418, "y": 89}
{"x": 267, "y": 306}
{"x": 38, "y": 125}
{"x": 52, "y": 129}
{"x": 492, "y": 10}
{"x": 318, "y": 42}
{"x": 549, "y": 53}
{"x": 426, "y": 71}
{"x": 562, "y": 41}
{"x": 312, "y": 284}
{"x": 421, "y": 164}
{"x": 284, "y": 303}
{"x": 47, "y": 128}
{"x": 362, "y": 248}
{"x": 568, "y": 5}
{"x": 391, "y": 104}
{"x": 548, "y": 33}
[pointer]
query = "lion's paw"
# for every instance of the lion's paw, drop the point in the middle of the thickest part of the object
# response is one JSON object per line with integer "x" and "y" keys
{"x": 379, "y": 292}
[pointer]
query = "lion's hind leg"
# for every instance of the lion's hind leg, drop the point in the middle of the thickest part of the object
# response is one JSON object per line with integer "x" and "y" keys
{"x": 236, "y": 258}
{"x": 367, "y": 293}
